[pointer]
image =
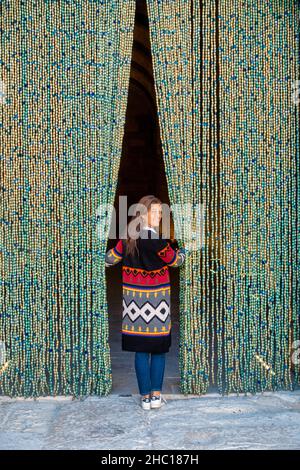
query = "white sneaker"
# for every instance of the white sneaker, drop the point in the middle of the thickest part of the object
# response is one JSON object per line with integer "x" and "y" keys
{"x": 146, "y": 403}
{"x": 156, "y": 401}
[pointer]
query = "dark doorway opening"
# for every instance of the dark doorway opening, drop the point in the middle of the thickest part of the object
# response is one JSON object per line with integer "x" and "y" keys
{"x": 141, "y": 172}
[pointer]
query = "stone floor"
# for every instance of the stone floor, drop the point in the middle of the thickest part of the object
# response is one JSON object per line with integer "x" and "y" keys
{"x": 264, "y": 421}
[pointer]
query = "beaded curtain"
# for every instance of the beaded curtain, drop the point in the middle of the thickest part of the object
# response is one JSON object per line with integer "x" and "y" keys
{"x": 65, "y": 69}
{"x": 224, "y": 75}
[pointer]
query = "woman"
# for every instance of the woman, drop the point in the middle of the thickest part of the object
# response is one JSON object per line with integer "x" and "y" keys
{"x": 146, "y": 321}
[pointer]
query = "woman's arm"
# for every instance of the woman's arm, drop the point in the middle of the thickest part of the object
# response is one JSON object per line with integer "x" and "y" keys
{"x": 114, "y": 255}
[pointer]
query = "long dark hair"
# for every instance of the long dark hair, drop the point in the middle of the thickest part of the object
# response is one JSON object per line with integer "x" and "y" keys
{"x": 146, "y": 201}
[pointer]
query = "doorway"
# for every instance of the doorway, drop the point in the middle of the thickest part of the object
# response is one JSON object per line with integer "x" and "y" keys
{"x": 141, "y": 172}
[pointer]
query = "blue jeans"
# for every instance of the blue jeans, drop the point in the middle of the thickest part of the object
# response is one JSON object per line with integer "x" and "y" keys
{"x": 149, "y": 376}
